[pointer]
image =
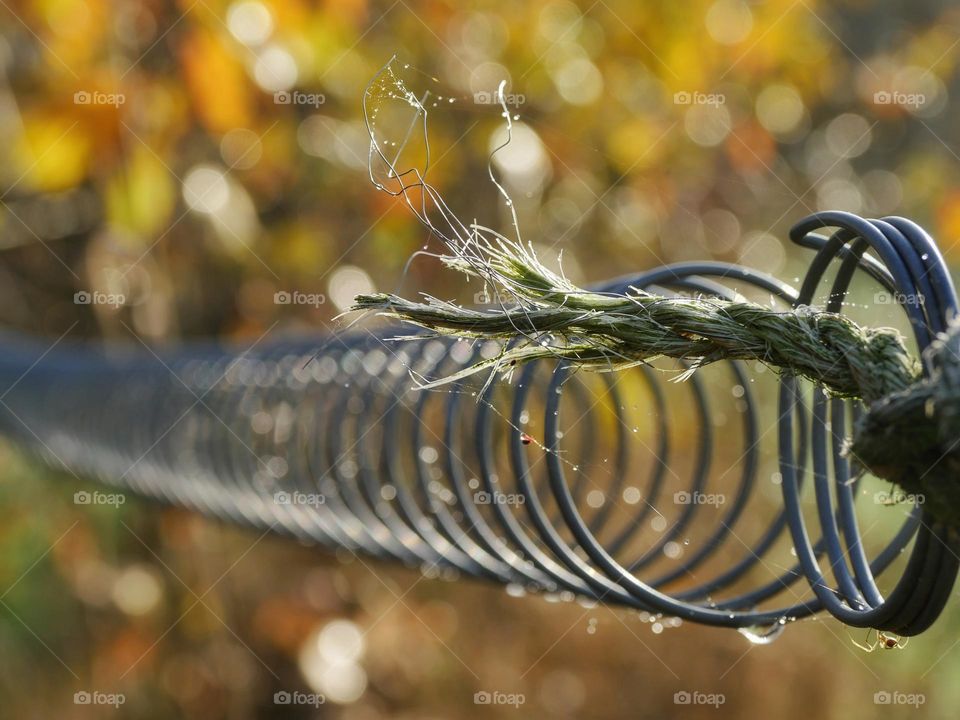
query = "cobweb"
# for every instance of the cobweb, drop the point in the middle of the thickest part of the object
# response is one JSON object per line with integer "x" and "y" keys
{"x": 399, "y": 162}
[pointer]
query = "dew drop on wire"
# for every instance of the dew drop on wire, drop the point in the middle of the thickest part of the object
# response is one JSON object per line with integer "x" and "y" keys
{"x": 516, "y": 590}
{"x": 761, "y": 635}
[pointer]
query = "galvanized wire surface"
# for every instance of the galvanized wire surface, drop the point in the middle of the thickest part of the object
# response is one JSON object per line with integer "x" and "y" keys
{"x": 331, "y": 441}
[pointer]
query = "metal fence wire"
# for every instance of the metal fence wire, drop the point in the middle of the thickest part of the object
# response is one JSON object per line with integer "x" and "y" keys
{"x": 569, "y": 483}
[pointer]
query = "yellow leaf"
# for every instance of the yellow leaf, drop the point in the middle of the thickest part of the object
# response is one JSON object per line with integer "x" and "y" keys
{"x": 218, "y": 84}
{"x": 51, "y": 153}
{"x": 140, "y": 197}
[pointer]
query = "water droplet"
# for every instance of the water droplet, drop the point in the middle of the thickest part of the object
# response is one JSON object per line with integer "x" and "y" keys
{"x": 672, "y": 550}
{"x": 763, "y": 636}
{"x": 516, "y": 590}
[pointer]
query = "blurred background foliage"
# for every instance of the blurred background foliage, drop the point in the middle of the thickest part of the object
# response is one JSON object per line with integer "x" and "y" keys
{"x": 198, "y": 157}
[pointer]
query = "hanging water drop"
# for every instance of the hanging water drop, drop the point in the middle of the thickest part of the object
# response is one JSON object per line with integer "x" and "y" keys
{"x": 761, "y": 635}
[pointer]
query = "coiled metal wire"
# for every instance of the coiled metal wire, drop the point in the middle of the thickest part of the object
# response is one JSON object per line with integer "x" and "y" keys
{"x": 603, "y": 487}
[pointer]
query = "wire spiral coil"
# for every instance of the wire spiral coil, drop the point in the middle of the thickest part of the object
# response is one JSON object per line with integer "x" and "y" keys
{"x": 330, "y": 442}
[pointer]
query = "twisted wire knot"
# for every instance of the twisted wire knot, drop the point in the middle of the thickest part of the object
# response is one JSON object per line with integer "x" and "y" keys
{"x": 912, "y": 435}
{"x": 909, "y": 434}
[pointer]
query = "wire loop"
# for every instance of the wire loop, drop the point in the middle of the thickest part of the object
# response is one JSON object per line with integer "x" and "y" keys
{"x": 538, "y": 484}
